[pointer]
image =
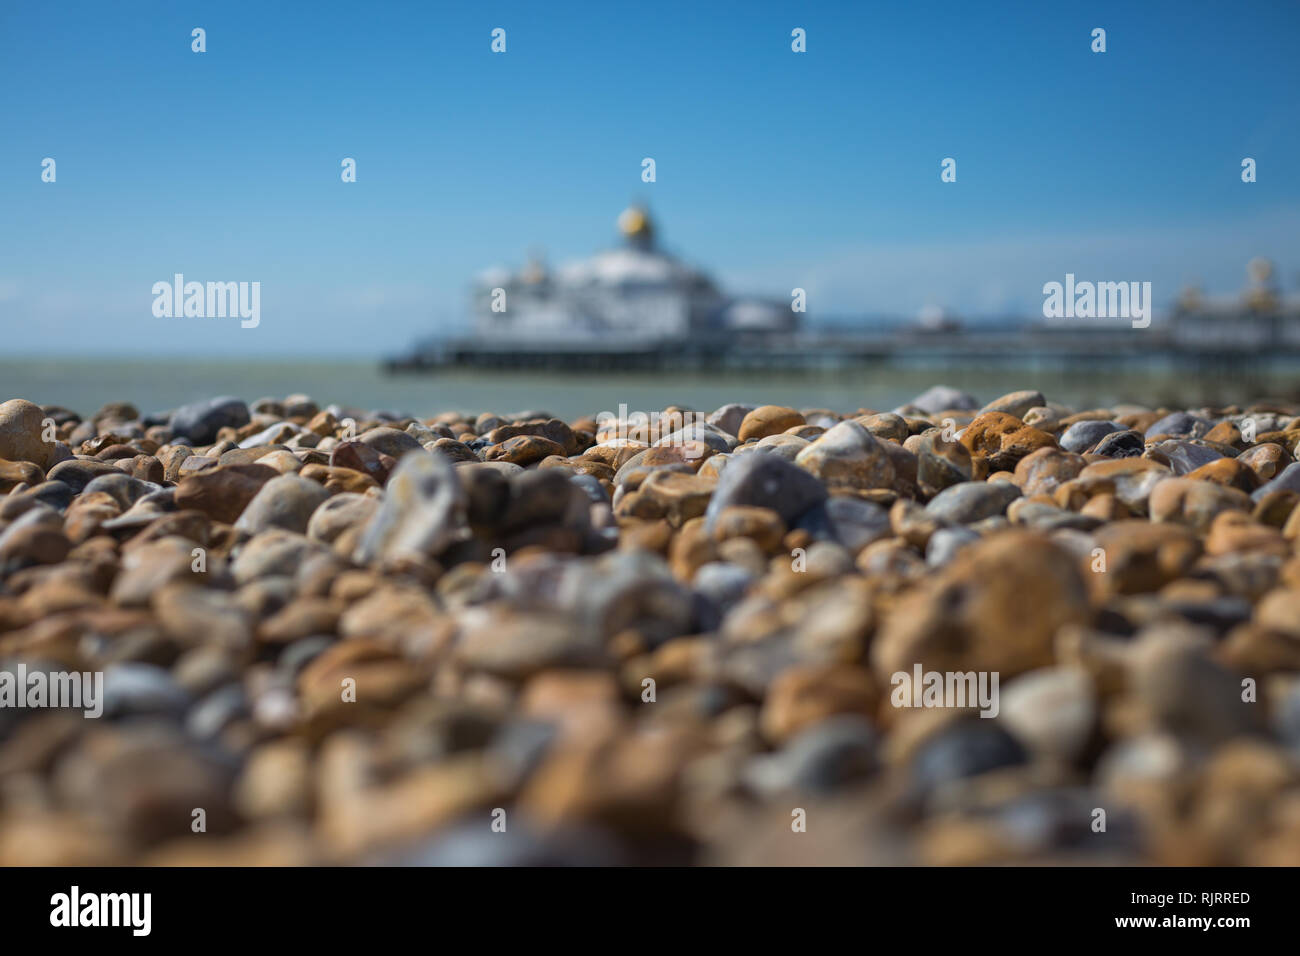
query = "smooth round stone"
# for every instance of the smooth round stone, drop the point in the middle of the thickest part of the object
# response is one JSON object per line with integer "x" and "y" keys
{"x": 268, "y": 406}
{"x": 592, "y": 487}
{"x": 1142, "y": 759}
{"x": 1186, "y": 456}
{"x": 123, "y": 489}
{"x": 1015, "y": 403}
{"x": 1194, "y": 503}
{"x": 765, "y": 481}
{"x": 635, "y": 468}
{"x": 768, "y": 420}
{"x": 885, "y": 425}
{"x": 852, "y": 522}
{"x": 1187, "y": 693}
{"x": 423, "y": 511}
{"x": 1047, "y": 417}
{"x": 273, "y": 553}
{"x": 722, "y": 582}
{"x": 52, "y": 494}
{"x": 133, "y": 688}
{"x": 972, "y": 501}
{"x": 1179, "y": 425}
{"x": 1081, "y": 436}
{"x": 633, "y": 588}
{"x": 300, "y": 653}
{"x": 1035, "y": 514}
{"x": 1131, "y": 478}
{"x": 821, "y": 759}
{"x": 966, "y": 749}
{"x": 487, "y": 492}
{"x": 21, "y": 433}
{"x": 286, "y": 502}
{"x": 276, "y": 434}
{"x": 79, "y": 472}
{"x": 941, "y": 398}
{"x": 390, "y": 441}
{"x": 1045, "y": 470}
{"x": 945, "y": 543}
{"x": 729, "y": 417}
{"x": 1288, "y": 480}
{"x": 300, "y": 406}
{"x": 507, "y": 468}
{"x": 783, "y": 446}
{"x": 200, "y": 421}
{"x": 848, "y": 456}
{"x": 709, "y": 435}
{"x": 1052, "y": 711}
{"x": 218, "y": 710}
{"x": 544, "y": 497}
{"x": 1122, "y": 444}
{"x": 941, "y": 464}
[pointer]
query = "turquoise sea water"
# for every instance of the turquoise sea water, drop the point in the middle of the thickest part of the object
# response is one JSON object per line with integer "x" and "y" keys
{"x": 84, "y": 385}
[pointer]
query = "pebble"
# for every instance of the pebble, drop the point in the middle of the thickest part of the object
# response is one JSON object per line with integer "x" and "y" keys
{"x": 820, "y": 760}
{"x": 768, "y": 420}
{"x": 852, "y": 522}
{"x": 941, "y": 398}
{"x": 621, "y": 641}
{"x": 1051, "y": 711}
{"x": 942, "y": 463}
{"x": 141, "y": 689}
{"x": 21, "y": 434}
{"x": 1015, "y": 403}
{"x": 805, "y": 695}
{"x": 944, "y": 544}
{"x": 765, "y": 481}
{"x": 1082, "y": 436}
{"x": 971, "y": 501}
{"x": 965, "y": 749}
{"x": 996, "y": 607}
{"x": 1194, "y": 503}
{"x": 200, "y": 421}
{"x": 1287, "y": 480}
{"x": 1123, "y": 444}
{"x": 286, "y": 502}
{"x": 1178, "y": 424}
{"x": 423, "y": 511}
{"x": 1184, "y": 456}
{"x": 1001, "y": 440}
{"x": 729, "y": 417}
{"x": 222, "y": 493}
{"x": 78, "y": 473}
{"x": 848, "y": 456}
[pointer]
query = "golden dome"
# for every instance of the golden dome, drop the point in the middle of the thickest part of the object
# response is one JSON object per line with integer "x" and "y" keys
{"x": 534, "y": 272}
{"x": 634, "y": 222}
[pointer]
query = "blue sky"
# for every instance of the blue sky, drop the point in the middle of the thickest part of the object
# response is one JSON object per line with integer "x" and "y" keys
{"x": 775, "y": 169}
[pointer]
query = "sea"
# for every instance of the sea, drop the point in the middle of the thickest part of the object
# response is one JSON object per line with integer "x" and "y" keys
{"x": 157, "y": 385}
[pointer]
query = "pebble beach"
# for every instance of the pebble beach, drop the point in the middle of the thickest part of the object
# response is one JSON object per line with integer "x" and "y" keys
{"x": 334, "y": 635}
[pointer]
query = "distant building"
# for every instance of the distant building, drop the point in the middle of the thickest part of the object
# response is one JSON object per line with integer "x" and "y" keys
{"x": 632, "y": 292}
{"x": 1259, "y": 318}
